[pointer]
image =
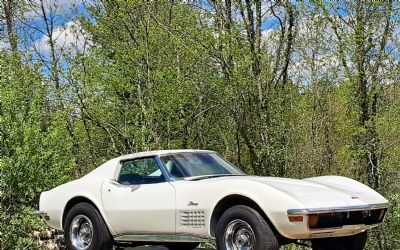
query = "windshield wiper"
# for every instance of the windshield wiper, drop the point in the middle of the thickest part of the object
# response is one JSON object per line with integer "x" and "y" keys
{"x": 202, "y": 177}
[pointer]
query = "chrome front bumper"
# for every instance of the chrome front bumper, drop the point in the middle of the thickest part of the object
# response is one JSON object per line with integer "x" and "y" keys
{"x": 305, "y": 211}
{"x": 338, "y": 221}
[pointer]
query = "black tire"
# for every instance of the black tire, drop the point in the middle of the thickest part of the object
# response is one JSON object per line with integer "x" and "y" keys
{"x": 265, "y": 238}
{"x": 100, "y": 238}
{"x": 181, "y": 245}
{"x": 353, "y": 242}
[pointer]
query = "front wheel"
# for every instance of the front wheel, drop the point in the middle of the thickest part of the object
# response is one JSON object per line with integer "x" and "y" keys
{"x": 242, "y": 227}
{"x": 85, "y": 229}
{"x": 353, "y": 242}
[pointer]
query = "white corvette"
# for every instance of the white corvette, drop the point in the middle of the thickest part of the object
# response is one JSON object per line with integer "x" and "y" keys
{"x": 179, "y": 198}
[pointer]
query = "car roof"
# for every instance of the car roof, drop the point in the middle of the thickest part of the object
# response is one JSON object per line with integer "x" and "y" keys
{"x": 106, "y": 170}
{"x": 160, "y": 152}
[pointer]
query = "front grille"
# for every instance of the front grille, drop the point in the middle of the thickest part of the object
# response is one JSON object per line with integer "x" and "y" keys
{"x": 339, "y": 219}
{"x": 193, "y": 219}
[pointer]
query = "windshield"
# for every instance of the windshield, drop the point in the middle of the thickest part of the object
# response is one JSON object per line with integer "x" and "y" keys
{"x": 182, "y": 165}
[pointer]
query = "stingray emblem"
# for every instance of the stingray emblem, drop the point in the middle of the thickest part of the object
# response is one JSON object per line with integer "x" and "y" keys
{"x": 192, "y": 204}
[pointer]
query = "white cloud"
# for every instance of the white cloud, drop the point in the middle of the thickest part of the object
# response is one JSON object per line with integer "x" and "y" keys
{"x": 4, "y": 44}
{"x": 68, "y": 37}
{"x": 318, "y": 61}
{"x": 55, "y": 7}
{"x": 267, "y": 35}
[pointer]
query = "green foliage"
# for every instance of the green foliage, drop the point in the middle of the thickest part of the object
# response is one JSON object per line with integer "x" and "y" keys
{"x": 34, "y": 151}
{"x": 16, "y": 233}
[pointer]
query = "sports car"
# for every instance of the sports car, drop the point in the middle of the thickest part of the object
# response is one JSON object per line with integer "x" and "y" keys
{"x": 180, "y": 198}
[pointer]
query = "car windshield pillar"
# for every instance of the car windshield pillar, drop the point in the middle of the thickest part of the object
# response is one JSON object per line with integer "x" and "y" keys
{"x": 192, "y": 164}
{"x": 165, "y": 173}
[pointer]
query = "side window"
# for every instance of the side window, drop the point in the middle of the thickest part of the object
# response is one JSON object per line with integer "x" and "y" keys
{"x": 140, "y": 171}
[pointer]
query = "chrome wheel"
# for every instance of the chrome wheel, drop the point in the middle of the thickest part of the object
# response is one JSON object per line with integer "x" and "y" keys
{"x": 239, "y": 236}
{"x": 81, "y": 232}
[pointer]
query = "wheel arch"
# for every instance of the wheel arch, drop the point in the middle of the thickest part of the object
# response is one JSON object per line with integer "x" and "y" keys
{"x": 234, "y": 200}
{"x": 240, "y": 199}
{"x": 79, "y": 199}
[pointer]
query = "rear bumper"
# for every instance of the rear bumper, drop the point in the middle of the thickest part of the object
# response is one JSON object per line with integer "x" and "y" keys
{"x": 42, "y": 214}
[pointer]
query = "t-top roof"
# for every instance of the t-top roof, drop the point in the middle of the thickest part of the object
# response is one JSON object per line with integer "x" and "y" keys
{"x": 161, "y": 152}
{"x": 108, "y": 168}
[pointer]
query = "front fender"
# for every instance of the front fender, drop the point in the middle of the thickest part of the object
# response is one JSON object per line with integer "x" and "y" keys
{"x": 206, "y": 194}
{"x": 275, "y": 204}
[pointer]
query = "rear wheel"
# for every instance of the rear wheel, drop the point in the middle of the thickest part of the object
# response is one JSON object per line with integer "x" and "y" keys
{"x": 242, "y": 227}
{"x": 353, "y": 242}
{"x": 181, "y": 245}
{"x": 85, "y": 229}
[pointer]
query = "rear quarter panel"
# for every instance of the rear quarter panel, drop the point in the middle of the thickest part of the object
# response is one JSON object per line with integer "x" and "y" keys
{"x": 55, "y": 200}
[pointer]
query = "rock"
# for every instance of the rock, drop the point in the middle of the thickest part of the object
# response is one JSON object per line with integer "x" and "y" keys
{"x": 50, "y": 239}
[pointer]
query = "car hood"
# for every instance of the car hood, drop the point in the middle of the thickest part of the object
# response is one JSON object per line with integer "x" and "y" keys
{"x": 318, "y": 192}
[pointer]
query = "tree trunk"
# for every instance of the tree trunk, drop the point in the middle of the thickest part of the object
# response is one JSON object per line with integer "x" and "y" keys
{"x": 9, "y": 8}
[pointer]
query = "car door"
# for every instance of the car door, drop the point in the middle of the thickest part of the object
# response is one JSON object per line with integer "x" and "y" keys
{"x": 140, "y": 200}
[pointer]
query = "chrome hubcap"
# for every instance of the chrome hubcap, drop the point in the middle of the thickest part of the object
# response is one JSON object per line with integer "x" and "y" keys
{"x": 81, "y": 232}
{"x": 239, "y": 236}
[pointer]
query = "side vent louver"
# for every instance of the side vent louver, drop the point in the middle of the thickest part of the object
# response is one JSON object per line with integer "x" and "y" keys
{"x": 193, "y": 219}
